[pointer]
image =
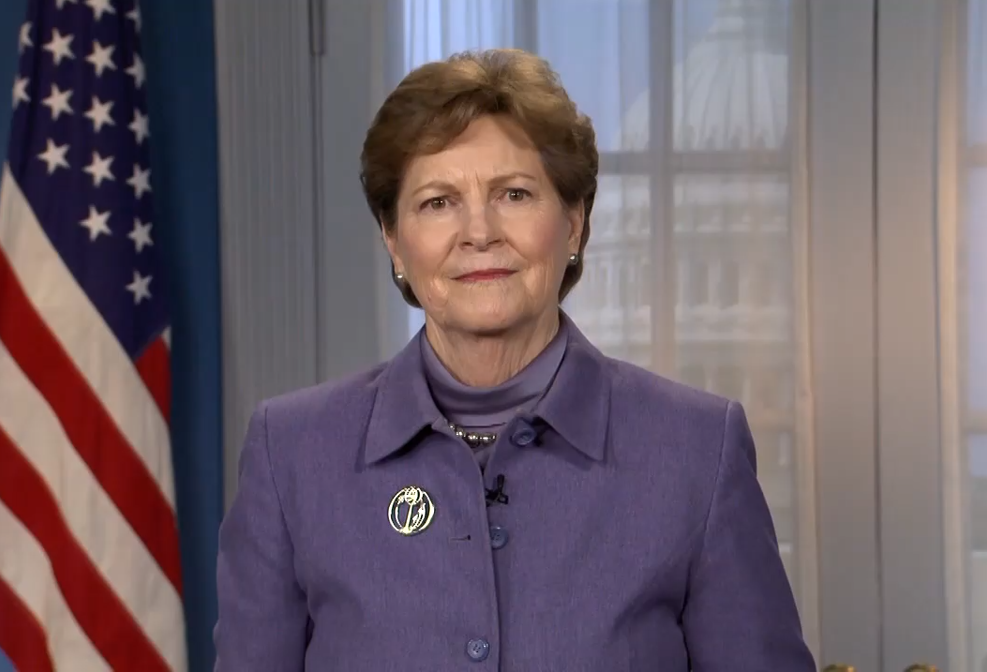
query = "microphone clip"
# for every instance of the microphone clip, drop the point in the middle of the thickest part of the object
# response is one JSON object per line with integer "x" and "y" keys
{"x": 497, "y": 495}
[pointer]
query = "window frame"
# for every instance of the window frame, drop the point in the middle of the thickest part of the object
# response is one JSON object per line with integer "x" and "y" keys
{"x": 662, "y": 164}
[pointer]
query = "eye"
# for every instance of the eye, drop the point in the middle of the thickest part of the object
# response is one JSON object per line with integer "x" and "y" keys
{"x": 437, "y": 203}
{"x": 517, "y": 195}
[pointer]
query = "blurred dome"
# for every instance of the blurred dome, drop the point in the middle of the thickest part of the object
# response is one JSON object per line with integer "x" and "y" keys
{"x": 731, "y": 92}
{"x": 731, "y": 88}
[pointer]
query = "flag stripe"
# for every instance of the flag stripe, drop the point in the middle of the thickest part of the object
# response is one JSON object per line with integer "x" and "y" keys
{"x": 154, "y": 368}
{"x": 33, "y": 583}
{"x": 84, "y": 335}
{"x": 95, "y": 523}
{"x": 91, "y": 431}
{"x": 102, "y": 617}
{"x": 22, "y": 639}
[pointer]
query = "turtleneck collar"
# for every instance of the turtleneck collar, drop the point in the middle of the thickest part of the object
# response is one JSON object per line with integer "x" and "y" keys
{"x": 482, "y": 407}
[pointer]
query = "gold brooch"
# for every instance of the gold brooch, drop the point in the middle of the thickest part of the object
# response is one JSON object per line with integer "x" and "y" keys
{"x": 410, "y": 510}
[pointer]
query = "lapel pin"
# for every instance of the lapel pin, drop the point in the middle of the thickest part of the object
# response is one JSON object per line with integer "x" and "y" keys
{"x": 410, "y": 510}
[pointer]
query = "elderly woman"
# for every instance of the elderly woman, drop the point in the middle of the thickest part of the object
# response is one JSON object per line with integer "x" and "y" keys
{"x": 500, "y": 494}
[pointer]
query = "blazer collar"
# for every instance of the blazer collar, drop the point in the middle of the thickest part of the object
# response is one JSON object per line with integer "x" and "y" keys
{"x": 577, "y": 404}
{"x": 403, "y": 406}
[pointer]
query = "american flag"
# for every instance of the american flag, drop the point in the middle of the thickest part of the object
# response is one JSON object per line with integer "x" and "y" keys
{"x": 89, "y": 565}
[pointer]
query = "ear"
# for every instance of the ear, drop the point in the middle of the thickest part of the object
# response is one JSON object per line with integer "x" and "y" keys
{"x": 576, "y": 217}
{"x": 391, "y": 242}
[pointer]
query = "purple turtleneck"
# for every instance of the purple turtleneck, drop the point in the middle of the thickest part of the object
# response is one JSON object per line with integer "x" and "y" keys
{"x": 489, "y": 409}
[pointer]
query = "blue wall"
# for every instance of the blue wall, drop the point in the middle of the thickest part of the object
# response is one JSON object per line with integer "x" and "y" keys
{"x": 178, "y": 51}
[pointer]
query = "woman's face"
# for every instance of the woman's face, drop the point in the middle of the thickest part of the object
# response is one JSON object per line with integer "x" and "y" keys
{"x": 481, "y": 234}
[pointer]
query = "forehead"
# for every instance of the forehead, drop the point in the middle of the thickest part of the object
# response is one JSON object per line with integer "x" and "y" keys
{"x": 489, "y": 146}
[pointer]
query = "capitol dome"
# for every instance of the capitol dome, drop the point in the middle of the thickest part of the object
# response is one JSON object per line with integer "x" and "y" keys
{"x": 730, "y": 91}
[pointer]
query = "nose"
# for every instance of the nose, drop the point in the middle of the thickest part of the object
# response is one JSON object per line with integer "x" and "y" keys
{"x": 481, "y": 228}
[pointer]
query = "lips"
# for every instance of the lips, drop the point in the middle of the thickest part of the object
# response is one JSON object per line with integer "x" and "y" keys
{"x": 486, "y": 274}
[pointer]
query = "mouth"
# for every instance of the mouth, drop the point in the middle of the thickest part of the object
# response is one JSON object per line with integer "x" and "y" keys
{"x": 485, "y": 275}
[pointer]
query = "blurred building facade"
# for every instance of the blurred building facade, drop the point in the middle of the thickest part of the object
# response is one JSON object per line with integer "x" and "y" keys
{"x": 704, "y": 259}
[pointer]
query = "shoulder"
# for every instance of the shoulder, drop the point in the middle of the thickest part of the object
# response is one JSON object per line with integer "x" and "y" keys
{"x": 689, "y": 444}
{"x": 687, "y": 426}
{"x": 324, "y": 406}
{"x": 655, "y": 399}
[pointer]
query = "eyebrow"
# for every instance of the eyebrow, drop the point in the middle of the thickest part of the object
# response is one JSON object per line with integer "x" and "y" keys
{"x": 501, "y": 179}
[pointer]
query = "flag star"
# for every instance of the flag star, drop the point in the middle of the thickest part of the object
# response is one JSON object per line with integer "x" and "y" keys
{"x": 96, "y": 223}
{"x": 141, "y": 235}
{"x": 99, "y": 169}
{"x": 140, "y": 180}
{"x": 54, "y": 156}
{"x": 139, "y": 287}
{"x": 61, "y": 3}
{"x": 102, "y": 57}
{"x": 100, "y": 7}
{"x": 99, "y": 114}
{"x": 135, "y": 16}
{"x": 20, "y": 91}
{"x": 25, "y": 38}
{"x": 139, "y": 126}
{"x": 58, "y": 101}
{"x": 137, "y": 71}
{"x": 59, "y": 46}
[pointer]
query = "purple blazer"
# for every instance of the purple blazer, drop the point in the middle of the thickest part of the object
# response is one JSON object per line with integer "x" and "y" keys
{"x": 634, "y": 537}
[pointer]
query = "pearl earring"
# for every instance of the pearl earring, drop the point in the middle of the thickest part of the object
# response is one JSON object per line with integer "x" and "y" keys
{"x": 573, "y": 259}
{"x": 399, "y": 277}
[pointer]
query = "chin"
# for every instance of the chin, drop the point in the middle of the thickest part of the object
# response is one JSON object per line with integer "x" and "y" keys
{"x": 488, "y": 320}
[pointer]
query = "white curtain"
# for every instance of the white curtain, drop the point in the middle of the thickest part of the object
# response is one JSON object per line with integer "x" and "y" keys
{"x": 962, "y": 234}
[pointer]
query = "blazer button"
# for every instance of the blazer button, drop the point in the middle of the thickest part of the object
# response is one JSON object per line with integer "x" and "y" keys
{"x": 498, "y": 537}
{"x": 523, "y": 436}
{"x": 478, "y": 649}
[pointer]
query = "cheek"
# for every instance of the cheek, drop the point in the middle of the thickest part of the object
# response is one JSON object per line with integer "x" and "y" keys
{"x": 544, "y": 245}
{"x": 422, "y": 254}
{"x": 424, "y": 257}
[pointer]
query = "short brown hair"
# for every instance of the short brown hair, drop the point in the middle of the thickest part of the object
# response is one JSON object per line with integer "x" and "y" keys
{"x": 437, "y": 101}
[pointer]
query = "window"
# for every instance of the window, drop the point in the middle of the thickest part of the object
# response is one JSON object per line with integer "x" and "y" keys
{"x": 696, "y": 282}
{"x": 760, "y": 286}
{"x": 690, "y": 102}
{"x": 435, "y": 29}
{"x": 730, "y": 381}
{"x": 771, "y": 390}
{"x": 693, "y": 375}
{"x": 728, "y": 283}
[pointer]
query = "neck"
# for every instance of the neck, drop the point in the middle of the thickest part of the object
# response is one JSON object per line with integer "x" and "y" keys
{"x": 488, "y": 361}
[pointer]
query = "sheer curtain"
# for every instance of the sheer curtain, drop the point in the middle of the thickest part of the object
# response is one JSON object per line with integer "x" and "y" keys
{"x": 697, "y": 263}
{"x": 972, "y": 255}
{"x": 962, "y": 234}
